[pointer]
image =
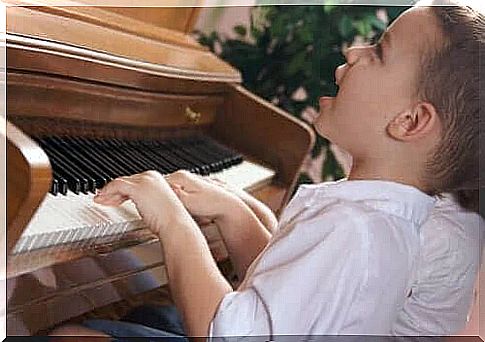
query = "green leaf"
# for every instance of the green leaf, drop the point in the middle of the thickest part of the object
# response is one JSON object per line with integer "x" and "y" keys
{"x": 378, "y": 24}
{"x": 304, "y": 178}
{"x": 363, "y": 27}
{"x": 394, "y": 11}
{"x": 345, "y": 26}
{"x": 296, "y": 63}
{"x": 305, "y": 35}
{"x": 279, "y": 28}
{"x": 240, "y": 30}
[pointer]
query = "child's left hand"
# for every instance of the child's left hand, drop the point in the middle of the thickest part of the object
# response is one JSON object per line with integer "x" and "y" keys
{"x": 155, "y": 200}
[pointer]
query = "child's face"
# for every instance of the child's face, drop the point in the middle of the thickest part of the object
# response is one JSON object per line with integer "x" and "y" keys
{"x": 372, "y": 90}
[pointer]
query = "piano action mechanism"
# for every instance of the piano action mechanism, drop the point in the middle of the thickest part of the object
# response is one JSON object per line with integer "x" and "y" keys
{"x": 93, "y": 94}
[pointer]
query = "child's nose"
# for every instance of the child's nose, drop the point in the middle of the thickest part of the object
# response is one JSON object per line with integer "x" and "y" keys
{"x": 353, "y": 54}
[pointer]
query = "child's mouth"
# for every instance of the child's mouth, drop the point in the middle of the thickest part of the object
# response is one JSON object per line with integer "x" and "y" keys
{"x": 325, "y": 101}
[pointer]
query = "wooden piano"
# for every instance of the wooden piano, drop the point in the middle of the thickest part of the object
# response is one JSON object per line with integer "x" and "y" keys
{"x": 86, "y": 84}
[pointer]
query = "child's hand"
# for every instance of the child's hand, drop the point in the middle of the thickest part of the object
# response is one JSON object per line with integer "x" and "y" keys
{"x": 261, "y": 210}
{"x": 156, "y": 202}
{"x": 201, "y": 197}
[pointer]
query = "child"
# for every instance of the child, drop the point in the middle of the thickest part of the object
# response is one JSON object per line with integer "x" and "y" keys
{"x": 345, "y": 257}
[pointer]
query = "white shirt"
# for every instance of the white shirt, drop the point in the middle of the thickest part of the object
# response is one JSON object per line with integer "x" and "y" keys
{"x": 342, "y": 262}
{"x": 442, "y": 290}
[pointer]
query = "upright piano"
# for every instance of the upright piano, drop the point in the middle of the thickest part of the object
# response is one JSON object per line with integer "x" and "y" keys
{"x": 97, "y": 93}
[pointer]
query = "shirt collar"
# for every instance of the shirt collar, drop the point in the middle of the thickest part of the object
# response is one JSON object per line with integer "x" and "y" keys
{"x": 394, "y": 198}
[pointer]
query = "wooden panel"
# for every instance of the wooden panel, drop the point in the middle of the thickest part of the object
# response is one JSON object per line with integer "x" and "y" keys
{"x": 135, "y": 23}
{"x": 28, "y": 180}
{"x": 72, "y": 289}
{"x": 265, "y": 133}
{"x": 28, "y": 262}
{"x": 110, "y": 42}
{"x": 174, "y": 18}
{"x": 38, "y": 95}
{"x": 140, "y": 22}
{"x": 34, "y": 61}
{"x": 272, "y": 195}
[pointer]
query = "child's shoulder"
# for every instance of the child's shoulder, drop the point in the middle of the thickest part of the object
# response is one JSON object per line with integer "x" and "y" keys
{"x": 357, "y": 199}
{"x": 452, "y": 230}
{"x": 356, "y": 206}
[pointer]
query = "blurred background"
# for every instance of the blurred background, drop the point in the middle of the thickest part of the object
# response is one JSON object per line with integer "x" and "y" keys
{"x": 288, "y": 55}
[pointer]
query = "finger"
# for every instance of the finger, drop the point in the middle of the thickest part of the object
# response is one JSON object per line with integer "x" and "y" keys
{"x": 182, "y": 177}
{"x": 120, "y": 186}
{"x": 179, "y": 186}
{"x": 111, "y": 200}
{"x": 179, "y": 190}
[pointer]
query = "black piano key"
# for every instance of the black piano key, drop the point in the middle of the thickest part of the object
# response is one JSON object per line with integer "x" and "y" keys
{"x": 180, "y": 149}
{"x": 233, "y": 158}
{"x": 148, "y": 154}
{"x": 173, "y": 163}
{"x": 61, "y": 183}
{"x": 125, "y": 160}
{"x": 115, "y": 162}
{"x": 226, "y": 156}
{"x": 174, "y": 150}
{"x": 131, "y": 155}
{"x": 144, "y": 152}
{"x": 54, "y": 187}
{"x": 88, "y": 183}
{"x": 196, "y": 148}
{"x": 167, "y": 165}
{"x": 162, "y": 163}
{"x": 163, "y": 152}
{"x": 90, "y": 150}
{"x": 99, "y": 176}
{"x": 73, "y": 183}
{"x": 89, "y": 163}
{"x": 217, "y": 147}
{"x": 199, "y": 150}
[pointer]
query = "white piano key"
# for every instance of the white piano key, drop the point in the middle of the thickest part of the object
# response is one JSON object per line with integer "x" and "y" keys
{"x": 244, "y": 175}
{"x": 76, "y": 218}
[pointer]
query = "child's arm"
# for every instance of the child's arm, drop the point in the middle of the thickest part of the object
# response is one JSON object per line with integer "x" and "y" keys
{"x": 262, "y": 212}
{"x": 197, "y": 286}
{"x": 243, "y": 233}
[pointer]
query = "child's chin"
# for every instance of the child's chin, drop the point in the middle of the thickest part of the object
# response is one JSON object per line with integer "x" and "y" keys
{"x": 321, "y": 126}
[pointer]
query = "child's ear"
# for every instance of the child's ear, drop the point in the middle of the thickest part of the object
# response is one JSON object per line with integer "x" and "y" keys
{"x": 415, "y": 123}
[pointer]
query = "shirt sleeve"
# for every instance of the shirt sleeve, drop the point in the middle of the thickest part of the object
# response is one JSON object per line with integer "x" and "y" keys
{"x": 309, "y": 280}
{"x": 443, "y": 291}
{"x": 241, "y": 313}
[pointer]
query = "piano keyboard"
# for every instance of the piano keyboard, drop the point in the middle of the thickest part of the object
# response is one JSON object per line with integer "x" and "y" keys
{"x": 68, "y": 213}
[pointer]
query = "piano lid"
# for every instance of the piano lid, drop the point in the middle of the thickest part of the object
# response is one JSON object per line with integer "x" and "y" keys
{"x": 109, "y": 38}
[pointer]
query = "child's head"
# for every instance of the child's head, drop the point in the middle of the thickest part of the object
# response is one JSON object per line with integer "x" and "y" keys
{"x": 408, "y": 108}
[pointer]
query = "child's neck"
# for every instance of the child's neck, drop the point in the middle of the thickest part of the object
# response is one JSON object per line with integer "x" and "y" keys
{"x": 373, "y": 170}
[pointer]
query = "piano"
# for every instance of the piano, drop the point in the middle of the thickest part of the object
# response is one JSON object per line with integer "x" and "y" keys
{"x": 97, "y": 93}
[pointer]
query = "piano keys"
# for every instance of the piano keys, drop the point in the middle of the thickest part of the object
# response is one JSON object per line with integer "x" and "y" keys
{"x": 68, "y": 213}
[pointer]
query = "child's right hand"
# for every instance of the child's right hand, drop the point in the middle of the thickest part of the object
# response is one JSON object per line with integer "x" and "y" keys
{"x": 202, "y": 198}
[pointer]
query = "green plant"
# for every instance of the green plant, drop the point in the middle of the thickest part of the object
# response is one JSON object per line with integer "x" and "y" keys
{"x": 288, "y": 56}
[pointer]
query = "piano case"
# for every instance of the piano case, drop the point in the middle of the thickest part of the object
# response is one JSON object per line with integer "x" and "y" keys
{"x": 102, "y": 73}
